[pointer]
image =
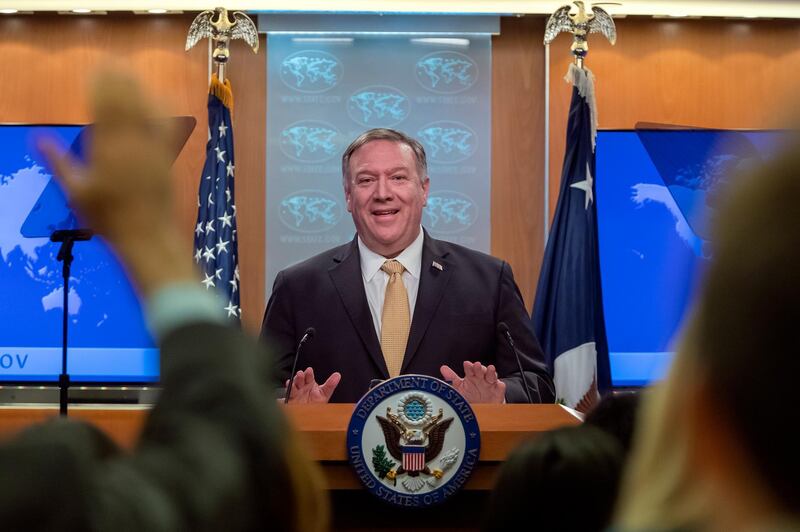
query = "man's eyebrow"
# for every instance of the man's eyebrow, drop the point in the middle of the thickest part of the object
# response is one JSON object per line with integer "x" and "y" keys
{"x": 368, "y": 171}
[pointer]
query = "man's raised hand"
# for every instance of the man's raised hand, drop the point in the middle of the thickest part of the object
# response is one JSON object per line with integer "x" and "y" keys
{"x": 306, "y": 390}
{"x": 480, "y": 383}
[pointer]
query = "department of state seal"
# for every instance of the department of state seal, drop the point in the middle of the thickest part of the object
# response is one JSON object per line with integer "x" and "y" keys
{"x": 413, "y": 440}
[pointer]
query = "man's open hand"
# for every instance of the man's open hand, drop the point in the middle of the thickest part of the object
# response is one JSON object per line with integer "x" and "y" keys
{"x": 480, "y": 383}
{"x": 306, "y": 390}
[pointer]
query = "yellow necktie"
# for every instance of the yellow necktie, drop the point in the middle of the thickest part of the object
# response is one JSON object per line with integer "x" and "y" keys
{"x": 395, "y": 320}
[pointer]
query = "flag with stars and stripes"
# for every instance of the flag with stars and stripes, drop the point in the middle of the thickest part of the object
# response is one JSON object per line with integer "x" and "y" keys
{"x": 568, "y": 310}
{"x": 215, "y": 248}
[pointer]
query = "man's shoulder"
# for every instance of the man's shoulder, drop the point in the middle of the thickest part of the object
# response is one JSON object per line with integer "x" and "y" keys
{"x": 458, "y": 254}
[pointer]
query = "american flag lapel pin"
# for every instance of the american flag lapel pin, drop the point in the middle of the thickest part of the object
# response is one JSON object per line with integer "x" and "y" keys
{"x": 437, "y": 266}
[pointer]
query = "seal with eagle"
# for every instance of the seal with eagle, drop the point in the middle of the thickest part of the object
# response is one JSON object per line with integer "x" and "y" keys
{"x": 401, "y": 441}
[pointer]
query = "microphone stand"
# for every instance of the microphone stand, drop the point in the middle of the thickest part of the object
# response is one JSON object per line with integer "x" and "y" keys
{"x": 67, "y": 237}
{"x": 519, "y": 365}
{"x": 308, "y": 335}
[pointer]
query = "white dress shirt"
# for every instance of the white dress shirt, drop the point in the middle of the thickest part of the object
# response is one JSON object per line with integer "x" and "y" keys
{"x": 375, "y": 280}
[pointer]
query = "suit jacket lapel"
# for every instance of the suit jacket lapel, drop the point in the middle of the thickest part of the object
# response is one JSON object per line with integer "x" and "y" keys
{"x": 346, "y": 276}
{"x": 432, "y": 283}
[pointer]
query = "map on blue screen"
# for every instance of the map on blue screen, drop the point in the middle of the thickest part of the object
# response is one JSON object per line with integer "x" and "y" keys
{"x": 656, "y": 192}
{"x": 108, "y": 339}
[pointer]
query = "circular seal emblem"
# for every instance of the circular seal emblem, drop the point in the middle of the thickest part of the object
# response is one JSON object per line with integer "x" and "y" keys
{"x": 413, "y": 441}
{"x": 446, "y": 72}
{"x": 449, "y": 212}
{"x": 378, "y": 106}
{"x": 310, "y": 211}
{"x": 311, "y": 71}
{"x": 448, "y": 142}
{"x": 310, "y": 141}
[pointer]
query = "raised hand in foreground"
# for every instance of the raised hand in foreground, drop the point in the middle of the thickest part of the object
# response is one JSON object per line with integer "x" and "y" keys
{"x": 124, "y": 192}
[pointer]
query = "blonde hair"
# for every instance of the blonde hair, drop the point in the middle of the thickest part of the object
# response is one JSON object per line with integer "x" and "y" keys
{"x": 658, "y": 490}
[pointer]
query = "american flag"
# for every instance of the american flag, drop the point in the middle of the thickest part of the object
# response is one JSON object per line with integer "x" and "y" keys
{"x": 413, "y": 457}
{"x": 215, "y": 247}
{"x": 568, "y": 310}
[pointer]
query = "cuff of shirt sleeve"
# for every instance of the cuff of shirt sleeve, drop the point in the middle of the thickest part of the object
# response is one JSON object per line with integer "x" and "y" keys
{"x": 179, "y": 304}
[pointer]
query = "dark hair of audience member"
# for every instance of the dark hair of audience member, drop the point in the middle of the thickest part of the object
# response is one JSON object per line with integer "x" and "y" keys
{"x": 748, "y": 321}
{"x": 615, "y": 414}
{"x": 566, "y": 479}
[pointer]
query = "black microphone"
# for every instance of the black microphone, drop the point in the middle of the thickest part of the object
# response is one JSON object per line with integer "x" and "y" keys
{"x": 307, "y": 337}
{"x": 502, "y": 328}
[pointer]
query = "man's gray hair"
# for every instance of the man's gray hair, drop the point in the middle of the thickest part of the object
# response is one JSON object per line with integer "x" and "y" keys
{"x": 392, "y": 135}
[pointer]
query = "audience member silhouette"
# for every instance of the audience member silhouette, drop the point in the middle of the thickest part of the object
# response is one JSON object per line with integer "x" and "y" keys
{"x": 215, "y": 452}
{"x": 616, "y": 415}
{"x": 566, "y": 479}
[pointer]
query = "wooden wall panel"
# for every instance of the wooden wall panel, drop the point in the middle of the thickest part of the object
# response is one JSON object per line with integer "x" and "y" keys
{"x": 518, "y": 106}
{"x": 708, "y": 73}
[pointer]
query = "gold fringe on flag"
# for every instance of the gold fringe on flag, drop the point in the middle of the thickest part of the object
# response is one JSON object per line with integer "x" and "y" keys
{"x": 223, "y": 91}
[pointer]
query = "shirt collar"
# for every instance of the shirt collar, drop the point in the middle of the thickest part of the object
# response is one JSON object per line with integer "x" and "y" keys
{"x": 410, "y": 258}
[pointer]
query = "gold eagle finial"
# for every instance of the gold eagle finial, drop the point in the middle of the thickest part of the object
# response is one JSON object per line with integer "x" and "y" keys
{"x": 217, "y": 26}
{"x": 580, "y": 24}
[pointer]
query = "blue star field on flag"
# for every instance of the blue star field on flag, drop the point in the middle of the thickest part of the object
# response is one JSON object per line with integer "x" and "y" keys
{"x": 568, "y": 310}
{"x": 215, "y": 245}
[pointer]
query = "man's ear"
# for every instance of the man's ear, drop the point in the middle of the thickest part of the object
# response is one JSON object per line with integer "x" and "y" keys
{"x": 347, "y": 201}
{"x": 426, "y": 185}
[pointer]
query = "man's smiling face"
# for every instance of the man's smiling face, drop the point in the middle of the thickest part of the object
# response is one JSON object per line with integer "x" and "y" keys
{"x": 385, "y": 195}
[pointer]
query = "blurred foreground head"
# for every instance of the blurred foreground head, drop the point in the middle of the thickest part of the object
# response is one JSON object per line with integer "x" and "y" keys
{"x": 616, "y": 415}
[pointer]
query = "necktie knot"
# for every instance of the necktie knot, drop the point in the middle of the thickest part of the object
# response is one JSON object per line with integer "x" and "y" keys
{"x": 392, "y": 266}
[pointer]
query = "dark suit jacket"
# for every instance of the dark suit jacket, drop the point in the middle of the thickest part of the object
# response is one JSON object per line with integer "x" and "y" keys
{"x": 455, "y": 319}
{"x": 209, "y": 458}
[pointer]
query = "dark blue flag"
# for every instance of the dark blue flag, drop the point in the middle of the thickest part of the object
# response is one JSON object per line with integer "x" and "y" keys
{"x": 568, "y": 310}
{"x": 215, "y": 248}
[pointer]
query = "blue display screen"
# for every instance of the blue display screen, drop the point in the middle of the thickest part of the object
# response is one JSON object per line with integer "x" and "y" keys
{"x": 108, "y": 339}
{"x": 655, "y": 196}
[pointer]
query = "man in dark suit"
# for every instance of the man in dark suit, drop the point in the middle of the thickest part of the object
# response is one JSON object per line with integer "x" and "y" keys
{"x": 361, "y": 297}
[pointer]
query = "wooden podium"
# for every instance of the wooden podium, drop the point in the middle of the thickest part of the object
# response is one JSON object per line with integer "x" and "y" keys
{"x": 323, "y": 429}
{"x": 503, "y": 427}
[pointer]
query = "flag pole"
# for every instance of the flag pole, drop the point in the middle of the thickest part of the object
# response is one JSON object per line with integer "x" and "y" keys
{"x": 568, "y": 312}
{"x": 215, "y": 235}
